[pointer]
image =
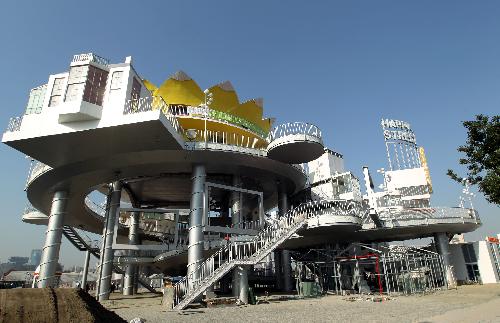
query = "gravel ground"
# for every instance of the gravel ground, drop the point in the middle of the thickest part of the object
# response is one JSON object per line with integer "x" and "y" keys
{"x": 465, "y": 304}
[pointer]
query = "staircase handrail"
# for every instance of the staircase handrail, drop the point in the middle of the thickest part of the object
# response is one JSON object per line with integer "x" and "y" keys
{"x": 243, "y": 251}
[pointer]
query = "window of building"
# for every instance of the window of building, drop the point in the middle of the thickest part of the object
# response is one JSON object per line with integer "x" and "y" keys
{"x": 57, "y": 92}
{"x": 473, "y": 272}
{"x": 116, "y": 80}
{"x": 469, "y": 253}
{"x": 35, "y": 101}
{"x": 95, "y": 85}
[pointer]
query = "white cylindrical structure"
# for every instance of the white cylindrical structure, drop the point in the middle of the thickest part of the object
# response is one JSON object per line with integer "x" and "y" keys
{"x": 108, "y": 254}
{"x": 196, "y": 240}
{"x": 442, "y": 246}
{"x": 85, "y": 269}
{"x": 286, "y": 260}
{"x": 133, "y": 239}
{"x": 50, "y": 253}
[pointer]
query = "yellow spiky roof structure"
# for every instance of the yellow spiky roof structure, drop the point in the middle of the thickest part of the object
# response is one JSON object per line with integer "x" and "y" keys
{"x": 180, "y": 89}
{"x": 229, "y": 114}
{"x": 224, "y": 97}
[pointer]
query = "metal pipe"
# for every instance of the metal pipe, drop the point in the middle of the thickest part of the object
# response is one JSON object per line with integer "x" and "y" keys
{"x": 133, "y": 239}
{"x": 196, "y": 240}
{"x": 50, "y": 253}
{"x": 108, "y": 255}
{"x": 85, "y": 269}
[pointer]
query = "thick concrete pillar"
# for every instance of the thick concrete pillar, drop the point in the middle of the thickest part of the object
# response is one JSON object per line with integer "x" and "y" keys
{"x": 108, "y": 254}
{"x": 196, "y": 240}
{"x": 442, "y": 246}
{"x": 50, "y": 253}
{"x": 85, "y": 269}
{"x": 133, "y": 239}
{"x": 286, "y": 260}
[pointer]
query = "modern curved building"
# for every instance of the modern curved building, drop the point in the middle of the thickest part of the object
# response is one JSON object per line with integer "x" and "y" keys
{"x": 198, "y": 183}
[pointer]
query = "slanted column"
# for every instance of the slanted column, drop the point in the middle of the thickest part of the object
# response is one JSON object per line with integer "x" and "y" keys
{"x": 286, "y": 260}
{"x": 108, "y": 254}
{"x": 196, "y": 240}
{"x": 50, "y": 253}
{"x": 442, "y": 246}
{"x": 85, "y": 269}
{"x": 133, "y": 239}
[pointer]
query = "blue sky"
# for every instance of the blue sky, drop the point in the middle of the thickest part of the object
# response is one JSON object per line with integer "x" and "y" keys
{"x": 342, "y": 65}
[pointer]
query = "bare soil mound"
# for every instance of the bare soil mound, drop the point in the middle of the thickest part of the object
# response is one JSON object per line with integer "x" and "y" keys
{"x": 52, "y": 305}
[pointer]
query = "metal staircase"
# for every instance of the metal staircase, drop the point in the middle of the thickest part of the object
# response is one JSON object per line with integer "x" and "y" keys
{"x": 83, "y": 245}
{"x": 250, "y": 252}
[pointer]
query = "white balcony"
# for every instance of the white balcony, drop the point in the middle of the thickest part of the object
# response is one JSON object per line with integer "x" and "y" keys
{"x": 78, "y": 111}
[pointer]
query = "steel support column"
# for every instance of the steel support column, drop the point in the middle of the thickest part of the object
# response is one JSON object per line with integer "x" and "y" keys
{"x": 235, "y": 219}
{"x": 278, "y": 269}
{"x": 442, "y": 246}
{"x": 108, "y": 254}
{"x": 85, "y": 269}
{"x": 196, "y": 240}
{"x": 133, "y": 239}
{"x": 286, "y": 260}
{"x": 242, "y": 274}
{"x": 50, "y": 253}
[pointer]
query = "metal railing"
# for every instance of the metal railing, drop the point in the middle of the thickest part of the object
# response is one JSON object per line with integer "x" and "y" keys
{"x": 216, "y": 115}
{"x": 253, "y": 251}
{"x": 150, "y": 104}
{"x": 14, "y": 124}
{"x": 90, "y": 57}
{"x": 29, "y": 208}
{"x": 294, "y": 128}
{"x": 94, "y": 207}
{"x": 248, "y": 225}
{"x": 223, "y": 138}
{"x": 424, "y": 214}
{"x": 429, "y": 213}
{"x": 36, "y": 169}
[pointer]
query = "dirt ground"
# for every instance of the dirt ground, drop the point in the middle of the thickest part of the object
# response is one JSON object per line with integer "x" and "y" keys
{"x": 465, "y": 304}
{"x": 52, "y": 305}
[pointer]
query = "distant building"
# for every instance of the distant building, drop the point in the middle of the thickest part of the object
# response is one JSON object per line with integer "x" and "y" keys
{"x": 18, "y": 261}
{"x": 477, "y": 261}
{"x": 35, "y": 257}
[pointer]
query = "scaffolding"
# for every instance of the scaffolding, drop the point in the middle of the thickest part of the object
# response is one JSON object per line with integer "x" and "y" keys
{"x": 362, "y": 269}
